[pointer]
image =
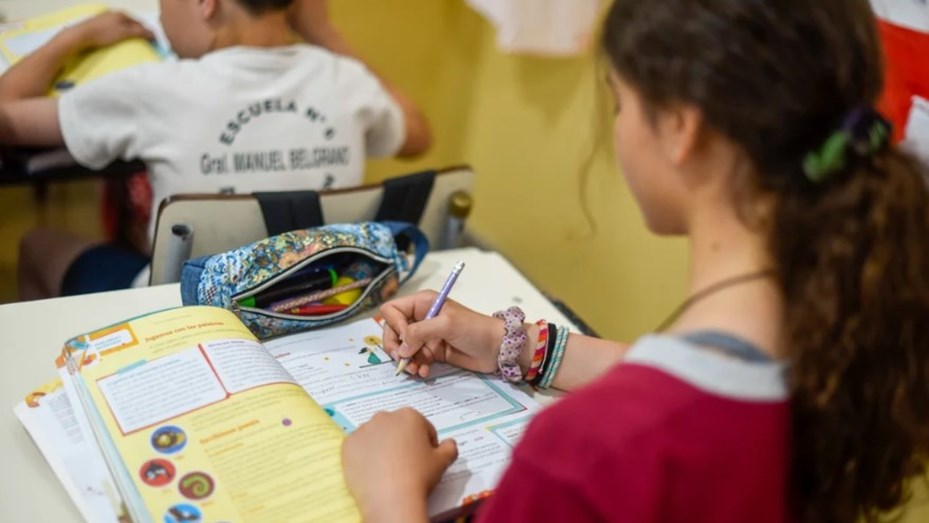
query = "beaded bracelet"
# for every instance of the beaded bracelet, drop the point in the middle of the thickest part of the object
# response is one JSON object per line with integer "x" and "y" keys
{"x": 540, "y": 350}
{"x": 547, "y": 357}
{"x": 560, "y": 345}
{"x": 514, "y": 338}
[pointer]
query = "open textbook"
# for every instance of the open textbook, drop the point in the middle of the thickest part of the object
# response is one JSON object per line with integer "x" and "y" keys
{"x": 182, "y": 415}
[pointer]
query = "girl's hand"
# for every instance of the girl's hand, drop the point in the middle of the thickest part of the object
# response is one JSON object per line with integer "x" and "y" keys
{"x": 392, "y": 462}
{"x": 457, "y": 335}
{"x": 106, "y": 29}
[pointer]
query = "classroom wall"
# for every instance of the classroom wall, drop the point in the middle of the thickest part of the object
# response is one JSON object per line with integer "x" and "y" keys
{"x": 527, "y": 125}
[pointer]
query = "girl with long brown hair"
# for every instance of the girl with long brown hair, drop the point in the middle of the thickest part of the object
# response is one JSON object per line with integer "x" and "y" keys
{"x": 793, "y": 384}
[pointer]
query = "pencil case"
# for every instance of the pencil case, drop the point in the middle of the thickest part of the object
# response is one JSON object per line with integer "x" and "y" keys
{"x": 308, "y": 278}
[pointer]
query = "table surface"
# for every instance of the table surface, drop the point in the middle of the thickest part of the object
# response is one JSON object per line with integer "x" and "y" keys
{"x": 33, "y": 333}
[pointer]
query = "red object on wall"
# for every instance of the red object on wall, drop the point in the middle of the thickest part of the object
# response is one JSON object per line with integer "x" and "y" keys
{"x": 907, "y": 72}
{"x": 904, "y": 30}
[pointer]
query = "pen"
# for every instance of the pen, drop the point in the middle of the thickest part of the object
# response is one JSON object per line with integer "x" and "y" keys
{"x": 296, "y": 301}
{"x": 436, "y": 305}
{"x": 317, "y": 310}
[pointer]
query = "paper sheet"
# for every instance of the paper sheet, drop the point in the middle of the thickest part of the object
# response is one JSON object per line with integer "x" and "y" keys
{"x": 917, "y": 129}
{"x": 348, "y": 373}
{"x": 545, "y": 27}
{"x": 48, "y": 416}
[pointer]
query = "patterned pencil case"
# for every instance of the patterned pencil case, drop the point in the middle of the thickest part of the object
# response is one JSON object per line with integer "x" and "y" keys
{"x": 307, "y": 278}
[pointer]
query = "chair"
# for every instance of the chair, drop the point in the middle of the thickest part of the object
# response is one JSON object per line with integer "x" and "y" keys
{"x": 192, "y": 225}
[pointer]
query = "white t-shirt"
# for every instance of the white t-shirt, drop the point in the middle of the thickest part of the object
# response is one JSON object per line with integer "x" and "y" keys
{"x": 236, "y": 120}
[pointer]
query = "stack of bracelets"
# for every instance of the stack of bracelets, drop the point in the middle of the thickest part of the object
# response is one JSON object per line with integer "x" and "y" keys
{"x": 548, "y": 355}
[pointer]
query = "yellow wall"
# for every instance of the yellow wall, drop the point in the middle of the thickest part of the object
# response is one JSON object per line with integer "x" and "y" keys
{"x": 527, "y": 125}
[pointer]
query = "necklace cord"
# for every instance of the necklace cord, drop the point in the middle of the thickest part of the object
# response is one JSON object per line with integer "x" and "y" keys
{"x": 713, "y": 289}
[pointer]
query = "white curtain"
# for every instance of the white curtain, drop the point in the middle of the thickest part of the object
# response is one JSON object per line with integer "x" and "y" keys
{"x": 541, "y": 27}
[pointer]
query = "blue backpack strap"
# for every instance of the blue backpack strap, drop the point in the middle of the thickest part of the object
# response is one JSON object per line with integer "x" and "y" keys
{"x": 415, "y": 237}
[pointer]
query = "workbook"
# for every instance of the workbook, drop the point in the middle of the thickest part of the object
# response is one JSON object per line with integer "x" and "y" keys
{"x": 182, "y": 415}
{"x": 22, "y": 38}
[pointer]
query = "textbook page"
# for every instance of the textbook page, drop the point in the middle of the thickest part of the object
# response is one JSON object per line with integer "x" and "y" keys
{"x": 47, "y": 415}
{"x": 346, "y": 370}
{"x": 205, "y": 423}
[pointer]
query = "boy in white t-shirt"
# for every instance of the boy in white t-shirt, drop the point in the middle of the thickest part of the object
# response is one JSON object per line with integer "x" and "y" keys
{"x": 242, "y": 110}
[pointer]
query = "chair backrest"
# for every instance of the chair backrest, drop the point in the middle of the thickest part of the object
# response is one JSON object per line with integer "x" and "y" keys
{"x": 191, "y": 225}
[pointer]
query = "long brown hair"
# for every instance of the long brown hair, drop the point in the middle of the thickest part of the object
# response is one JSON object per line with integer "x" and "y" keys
{"x": 778, "y": 78}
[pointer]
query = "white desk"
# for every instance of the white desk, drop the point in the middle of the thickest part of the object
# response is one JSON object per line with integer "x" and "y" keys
{"x": 33, "y": 332}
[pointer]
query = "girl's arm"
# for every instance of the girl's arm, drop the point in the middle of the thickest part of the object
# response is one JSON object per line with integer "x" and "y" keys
{"x": 392, "y": 463}
{"x": 470, "y": 340}
{"x": 585, "y": 358}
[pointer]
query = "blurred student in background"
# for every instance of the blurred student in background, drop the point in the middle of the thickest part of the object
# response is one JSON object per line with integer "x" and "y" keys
{"x": 244, "y": 109}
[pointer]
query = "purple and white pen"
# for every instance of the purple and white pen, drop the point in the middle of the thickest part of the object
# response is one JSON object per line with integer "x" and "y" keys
{"x": 437, "y": 305}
